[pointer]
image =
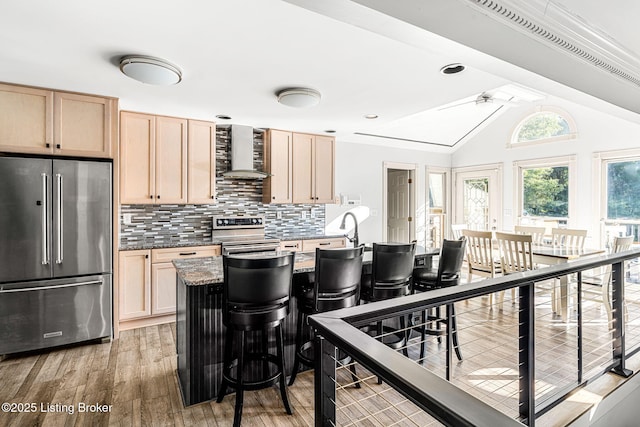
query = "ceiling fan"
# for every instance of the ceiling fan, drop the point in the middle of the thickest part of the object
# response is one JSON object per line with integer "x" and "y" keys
{"x": 482, "y": 100}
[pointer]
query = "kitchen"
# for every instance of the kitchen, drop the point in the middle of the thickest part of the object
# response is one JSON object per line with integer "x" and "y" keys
{"x": 142, "y": 231}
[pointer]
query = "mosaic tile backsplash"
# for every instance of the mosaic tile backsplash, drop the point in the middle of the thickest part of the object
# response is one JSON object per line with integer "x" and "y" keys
{"x": 234, "y": 196}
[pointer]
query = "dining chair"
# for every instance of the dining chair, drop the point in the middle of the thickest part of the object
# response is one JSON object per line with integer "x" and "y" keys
{"x": 456, "y": 230}
{"x": 537, "y": 233}
{"x": 481, "y": 259}
{"x": 567, "y": 238}
{"x": 600, "y": 285}
{"x": 515, "y": 255}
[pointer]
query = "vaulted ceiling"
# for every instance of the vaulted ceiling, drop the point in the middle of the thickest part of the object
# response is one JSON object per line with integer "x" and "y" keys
{"x": 363, "y": 56}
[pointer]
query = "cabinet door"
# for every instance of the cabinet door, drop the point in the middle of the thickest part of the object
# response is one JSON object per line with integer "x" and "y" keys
{"x": 303, "y": 168}
{"x": 171, "y": 160}
{"x": 135, "y": 284}
{"x": 26, "y": 120}
{"x": 278, "y": 159}
{"x": 201, "y": 163}
{"x": 82, "y": 125}
{"x": 324, "y": 169}
{"x": 163, "y": 288}
{"x": 137, "y": 136}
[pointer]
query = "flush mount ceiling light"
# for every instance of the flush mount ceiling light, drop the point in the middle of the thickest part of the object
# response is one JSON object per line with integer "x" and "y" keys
{"x": 299, "y": 97}
{"x": 370, "y": 116}
{"x": 150, "y": 70}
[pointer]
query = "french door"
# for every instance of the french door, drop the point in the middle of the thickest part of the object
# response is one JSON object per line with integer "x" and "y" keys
{"x": 477, "y": 197}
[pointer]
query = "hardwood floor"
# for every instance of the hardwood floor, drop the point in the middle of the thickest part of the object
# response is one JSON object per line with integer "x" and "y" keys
{"x": 135, "y": 376}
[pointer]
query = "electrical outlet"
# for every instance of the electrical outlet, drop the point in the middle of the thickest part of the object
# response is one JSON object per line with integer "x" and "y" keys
{"x": 278, "y": 215}
{"x": 374, "y": 212}
{"x": 312, "y": 212}
{"x": 127, "y": 219}
{"x": 303, "y": 214}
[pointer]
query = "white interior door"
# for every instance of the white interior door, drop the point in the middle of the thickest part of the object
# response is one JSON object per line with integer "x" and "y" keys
{"x": 398, "y": 205}
{"x": 477, "y": 199}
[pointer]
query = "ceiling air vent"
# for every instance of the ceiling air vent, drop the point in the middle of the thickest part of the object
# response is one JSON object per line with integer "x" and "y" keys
{"x": 584, "y": 40}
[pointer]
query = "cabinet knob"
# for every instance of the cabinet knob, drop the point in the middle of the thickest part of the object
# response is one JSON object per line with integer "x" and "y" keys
{"x": 158, "y": 196}
{"x": 47, "y": 145}
{"x": 151, "y": 196}
{"x": 58, "y": 146}
{"x": 213, "y": 197}
{"x": 146, "y": 256}
{"x": 274, "y": 197}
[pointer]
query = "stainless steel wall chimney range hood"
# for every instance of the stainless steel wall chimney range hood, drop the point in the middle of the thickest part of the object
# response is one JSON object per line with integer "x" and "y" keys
{"x": 242, "y": 154}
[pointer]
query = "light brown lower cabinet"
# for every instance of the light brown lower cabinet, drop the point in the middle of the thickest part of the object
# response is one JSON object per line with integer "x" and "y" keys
{"x": 310, "y": 245}
{"x": 147, "y": 284}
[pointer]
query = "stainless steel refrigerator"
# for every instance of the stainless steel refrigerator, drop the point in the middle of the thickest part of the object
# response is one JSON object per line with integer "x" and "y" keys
{"x": 55, "y": 252}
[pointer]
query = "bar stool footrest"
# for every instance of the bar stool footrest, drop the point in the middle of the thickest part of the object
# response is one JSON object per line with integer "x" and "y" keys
{"x": 258, "y": 384}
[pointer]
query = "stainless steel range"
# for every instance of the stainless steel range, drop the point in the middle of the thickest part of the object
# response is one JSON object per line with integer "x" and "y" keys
{"x": 243, "y": 234}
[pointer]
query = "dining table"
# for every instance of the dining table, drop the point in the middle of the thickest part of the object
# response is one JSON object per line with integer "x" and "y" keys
{"x": 552, "y": 255}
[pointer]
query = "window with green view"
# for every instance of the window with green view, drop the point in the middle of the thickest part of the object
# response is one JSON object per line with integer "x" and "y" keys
{"x": 546, "y": 192}
{"x": 542, "y": 126}
{"x": 623, "y": 189}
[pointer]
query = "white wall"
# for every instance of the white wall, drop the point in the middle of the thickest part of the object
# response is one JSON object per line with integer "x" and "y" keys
{"x": 359, "y": 172}
{"x": 596, "y": 132}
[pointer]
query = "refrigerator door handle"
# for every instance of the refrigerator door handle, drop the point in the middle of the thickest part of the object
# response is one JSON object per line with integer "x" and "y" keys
{"x": 45, "y": 222}
{"x": 59, "y": 255}
{"x": 42, "y": 288}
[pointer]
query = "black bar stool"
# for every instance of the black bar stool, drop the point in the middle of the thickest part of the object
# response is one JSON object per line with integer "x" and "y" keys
{"x": 257, "y": 291}
{"x": 335, "y": 284}
{"x": 448, "y": 274}
{"x": 390, "y": 278}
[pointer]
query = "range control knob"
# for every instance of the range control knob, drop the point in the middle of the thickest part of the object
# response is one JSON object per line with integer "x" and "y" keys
{"x": 219, "y": 222}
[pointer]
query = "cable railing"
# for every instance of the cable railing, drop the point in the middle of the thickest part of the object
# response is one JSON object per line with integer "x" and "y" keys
{"x": 519, "y": 358}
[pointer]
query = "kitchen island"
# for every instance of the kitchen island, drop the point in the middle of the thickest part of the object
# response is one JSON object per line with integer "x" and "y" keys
{"x": 200, "y": 333}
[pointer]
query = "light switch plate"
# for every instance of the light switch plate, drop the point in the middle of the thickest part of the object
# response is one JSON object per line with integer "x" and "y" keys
{"x": 127, "y": 219}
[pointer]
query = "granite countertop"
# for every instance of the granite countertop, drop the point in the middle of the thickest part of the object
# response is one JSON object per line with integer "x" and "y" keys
{"x": 152, "y": 243}
{"x": 208, "y": 270}
{"x": 165, "y": 243}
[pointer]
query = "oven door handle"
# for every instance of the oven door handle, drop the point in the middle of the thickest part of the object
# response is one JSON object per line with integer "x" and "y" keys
{"x": 234, "y": 249}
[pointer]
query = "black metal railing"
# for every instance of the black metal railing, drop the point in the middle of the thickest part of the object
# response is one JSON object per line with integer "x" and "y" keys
{"x": 440, "y": 398}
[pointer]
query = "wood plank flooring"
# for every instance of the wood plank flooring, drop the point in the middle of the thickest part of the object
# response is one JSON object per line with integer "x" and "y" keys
{"x": 135, "y": 376}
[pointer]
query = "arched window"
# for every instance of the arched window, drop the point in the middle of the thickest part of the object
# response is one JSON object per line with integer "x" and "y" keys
{"x": 546, "y": 124}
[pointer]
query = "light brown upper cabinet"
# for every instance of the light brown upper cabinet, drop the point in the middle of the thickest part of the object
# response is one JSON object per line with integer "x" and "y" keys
{"x": 201, "y": 163}
{"x": 41, "y": 121}
{"x": 82, "y": 125}
{"x": 153, "y": 159}
{"x": 313, "y": 168}
{"x": 278, "y": 161}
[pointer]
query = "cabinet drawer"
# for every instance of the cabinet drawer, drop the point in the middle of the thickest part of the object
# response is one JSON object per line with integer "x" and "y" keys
{"x": 291, "y": 245}
{"x": 311, "y": 245}
{"x": 168, "y": 254}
